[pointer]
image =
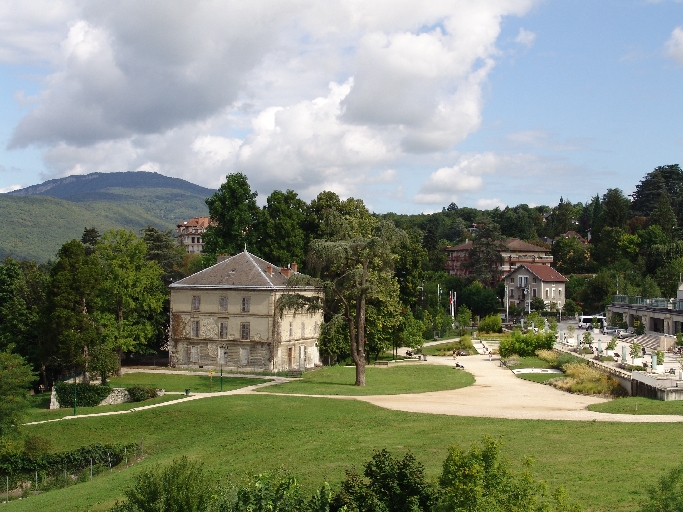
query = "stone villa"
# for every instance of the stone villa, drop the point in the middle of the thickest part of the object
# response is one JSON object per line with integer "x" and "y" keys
{"x": 226, "y": 316}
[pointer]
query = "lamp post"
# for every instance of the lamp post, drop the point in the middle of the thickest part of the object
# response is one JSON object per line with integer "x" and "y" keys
{"x": 75, "y": 388}
{"x": 507, "y": 305}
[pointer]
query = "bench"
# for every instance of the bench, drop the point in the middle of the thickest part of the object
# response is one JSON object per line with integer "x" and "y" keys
{"x": 381, "y": 363}
{"x": 294, "y": 373}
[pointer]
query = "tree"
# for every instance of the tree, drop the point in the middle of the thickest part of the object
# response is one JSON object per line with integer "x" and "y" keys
{"x": 89, "y": 239}
{"x": 16, "y": 378}
{"x": 162, "y": 248}
{"x": 570, "y": 255}
{"x": 482, "y": 301}
{"x": 665, "y": 178}
{"x": 283, "y": 239}
{"x": 615, "y": 208}
{"x": 480, "y": 480}
{"x": 485, "y": 257}
{"x": 663, "y": 216}
{"x": 396, "y": 485}
{"x": 464, "y": 319}
{"x": 71, "y": 304}
{"x": 537, "y": 304}
{"x": 667, "y": 494}
{"x": 346, "y": 268}
{"x": 635, "y": 351}
{"x": 234, "y": 211}
{"x": 569, "y": 307}
{"x": 131, "y": 291}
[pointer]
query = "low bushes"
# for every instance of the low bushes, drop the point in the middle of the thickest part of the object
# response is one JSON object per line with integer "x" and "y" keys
{"x": 140, "y": 393}
{"x": 581, "y": 378}
{"x": 491, "y": 323}
{"x": 477, "y": 479}
{"x": 526, "y": 344}
{"x": 86, "y": 395}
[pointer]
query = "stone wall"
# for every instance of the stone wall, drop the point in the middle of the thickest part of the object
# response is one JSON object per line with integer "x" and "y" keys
{"x": 117, "y": 396}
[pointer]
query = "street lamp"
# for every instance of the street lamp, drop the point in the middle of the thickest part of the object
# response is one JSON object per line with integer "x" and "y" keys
{"x": 507, "y": 305}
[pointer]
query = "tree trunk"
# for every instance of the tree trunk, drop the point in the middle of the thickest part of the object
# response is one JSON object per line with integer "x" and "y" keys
{"x": 86, "y": 378}
{"x": 359, "y": 356}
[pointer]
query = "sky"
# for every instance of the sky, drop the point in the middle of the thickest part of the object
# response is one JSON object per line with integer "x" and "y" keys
{"x": 407, "y": 105}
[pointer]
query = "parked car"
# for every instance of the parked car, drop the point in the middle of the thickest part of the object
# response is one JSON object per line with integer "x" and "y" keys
{"x": 609, "y": 329}
{"x": 626, "y": 333}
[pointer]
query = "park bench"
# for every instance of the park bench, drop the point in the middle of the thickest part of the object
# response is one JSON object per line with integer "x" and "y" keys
{"x": 381, "y": 363}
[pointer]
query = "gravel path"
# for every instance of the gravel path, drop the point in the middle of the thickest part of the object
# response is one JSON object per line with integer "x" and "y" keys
{"x": 497, "y": 393}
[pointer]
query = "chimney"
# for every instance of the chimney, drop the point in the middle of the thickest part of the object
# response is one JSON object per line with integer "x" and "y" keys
{"x": 285, "y": 271}
{"x": 222, "y": 257}
{"x": 269, "y": 269}
{"x": 294, "y": 267}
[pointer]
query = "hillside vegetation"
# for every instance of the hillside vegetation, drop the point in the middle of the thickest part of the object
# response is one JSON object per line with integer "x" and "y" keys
{"x": 38, "y": 223}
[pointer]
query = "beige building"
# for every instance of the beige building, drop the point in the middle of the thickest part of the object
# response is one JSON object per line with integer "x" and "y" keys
{"x": 189, "y": 234}
{"x": 226, "y": 316}
{"x": 528, "y": 281}
{"x": 516, "y": 252}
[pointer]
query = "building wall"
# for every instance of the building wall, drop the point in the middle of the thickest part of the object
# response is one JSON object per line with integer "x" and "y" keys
{"x": 548, "y": 291}
{"x": 197, "y": 338}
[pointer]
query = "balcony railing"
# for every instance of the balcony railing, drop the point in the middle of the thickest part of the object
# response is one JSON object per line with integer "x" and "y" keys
{"x": 657, "y": 302}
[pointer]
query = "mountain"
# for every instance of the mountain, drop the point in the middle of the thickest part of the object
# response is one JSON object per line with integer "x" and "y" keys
{"x": 40, "y": 218}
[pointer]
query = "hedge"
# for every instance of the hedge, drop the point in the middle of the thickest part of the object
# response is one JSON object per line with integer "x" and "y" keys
{"x": 140, "y": 393}
{"x": 86, "y": 395}
{"x": 525, "y": 345}
{"x": 54, "y": 463}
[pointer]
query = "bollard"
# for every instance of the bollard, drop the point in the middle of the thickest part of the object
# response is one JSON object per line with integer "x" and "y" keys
{"x": 654, "y": 361}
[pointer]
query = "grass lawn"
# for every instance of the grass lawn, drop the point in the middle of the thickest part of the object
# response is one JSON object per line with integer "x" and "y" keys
{"x": 528, "y": 362}
{"x": 41, "y": 412}
{"x": 180, "y": 382}
{"x": 601, "y": 464}
{"x": 627, "y": 405}
{"x": 392, "y": 380}
{"x": 539, "y": 377}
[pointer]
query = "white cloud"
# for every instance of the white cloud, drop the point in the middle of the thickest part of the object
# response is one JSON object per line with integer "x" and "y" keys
{"x": 295, "y": 93}
{"x": 674, "y": 46}
{"x": 4, "y": 190}
{"x": 490, "y": 204}
{"x": 444, "y": 185}
{"x": 525, "y": 37}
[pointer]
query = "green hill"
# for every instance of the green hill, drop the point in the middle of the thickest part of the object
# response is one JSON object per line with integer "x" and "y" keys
{"x": 37, "y": 224}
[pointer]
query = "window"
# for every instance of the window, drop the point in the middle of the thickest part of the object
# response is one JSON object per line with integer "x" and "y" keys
{"x": 533, "y": 292}
{"x": 534, "y": 280}
{"x": 559, "y": 292}
{"x": 246, "y": 304}
{"x": 194, "y": 354}
{"x": 547, "y": 293}
{"x": 244, "y": 331}
{"x": 512, "y": 280}
{"x": 223, "y": 304}
{"x": 192, "y": 239}
{"x": 512, "y": 292}
{"x": 523, "y": 281}
{"x": 291, "y": 330}
{"x": 553, "y": 293}
{"x": 195, "y": 302}
{"x": 303, "y": 330}
{"x": 223, "y": 330}
{"x": 195, "y": 328}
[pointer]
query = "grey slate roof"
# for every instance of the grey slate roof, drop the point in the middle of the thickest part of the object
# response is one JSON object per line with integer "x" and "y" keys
{"x": 244, "y": 270}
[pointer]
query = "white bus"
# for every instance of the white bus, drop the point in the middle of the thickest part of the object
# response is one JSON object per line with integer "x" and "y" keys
{"x": 586, "y": 321}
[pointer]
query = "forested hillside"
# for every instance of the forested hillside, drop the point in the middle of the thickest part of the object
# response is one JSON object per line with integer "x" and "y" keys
{"x": 39, "y": 219}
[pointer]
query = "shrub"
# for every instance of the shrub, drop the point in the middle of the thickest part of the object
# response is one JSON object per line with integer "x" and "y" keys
{"x": 565, "y": 358}
{"x": 480, "y": 480}
{"x": 581, "y": 378}
{"x": 491, "y": 323}
{"x": 139, "y": 393}
{"x": 667, "y": 494}
{"x": 86, "y": 395}
{"x": 183, "y": 485}
{"x": 526, "y": 344}
{"x": 549, "y": 356}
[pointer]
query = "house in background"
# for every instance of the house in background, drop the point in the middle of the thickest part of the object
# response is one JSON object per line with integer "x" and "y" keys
{"x": 226, "y": 316}
{"x": 189, "y": 234}
{"x": 516, "y": 252}
{"x": 528, "y": 281}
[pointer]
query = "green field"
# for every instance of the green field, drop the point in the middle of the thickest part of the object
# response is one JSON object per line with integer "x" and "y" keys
{"x": 601, "y": 464}
{"x": 180, "y": 382}
{"x": 539, "y": 377}
{"x": 527, "y": 362}
{"x": 41, "y": 412}
{"x": 639, "y": 405}
{"x": 392, "y": 380}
